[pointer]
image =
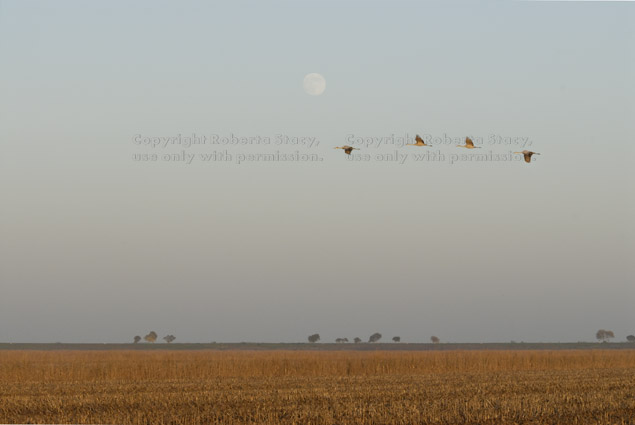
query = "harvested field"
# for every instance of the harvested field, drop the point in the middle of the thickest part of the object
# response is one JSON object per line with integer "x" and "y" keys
{"x": 286, "y": 387}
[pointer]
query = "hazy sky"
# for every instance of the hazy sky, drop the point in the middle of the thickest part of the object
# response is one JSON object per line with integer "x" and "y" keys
{"x": 96, "y": 246}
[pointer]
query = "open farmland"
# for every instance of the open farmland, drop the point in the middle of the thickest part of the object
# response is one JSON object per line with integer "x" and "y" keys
{"x": 305, "y": 387}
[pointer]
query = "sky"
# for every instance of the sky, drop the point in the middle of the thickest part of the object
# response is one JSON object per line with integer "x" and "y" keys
{"x": 109, "y": 228}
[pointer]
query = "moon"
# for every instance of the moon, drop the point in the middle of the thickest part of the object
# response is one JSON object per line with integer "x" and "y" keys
{"x": 314, "y": 84}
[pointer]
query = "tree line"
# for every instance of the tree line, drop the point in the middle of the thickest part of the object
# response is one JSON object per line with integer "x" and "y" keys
{"x": 373, "y": 338}
{"x": 602, "y": 335}
{"x": 152, "y": 337}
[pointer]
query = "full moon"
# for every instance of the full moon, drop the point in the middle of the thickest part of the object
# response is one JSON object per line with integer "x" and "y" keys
{"x": 314, "y": 84}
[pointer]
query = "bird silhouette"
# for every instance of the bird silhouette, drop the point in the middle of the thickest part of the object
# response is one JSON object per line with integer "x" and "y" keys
{"x": 528, "y": 154}
{"x": 347, "y": 149}
{"x": 419, "y": 140}
{"x": 469, "y": 144}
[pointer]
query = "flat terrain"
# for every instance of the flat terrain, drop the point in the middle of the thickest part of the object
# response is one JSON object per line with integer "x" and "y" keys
{"x": 315, "y": 387}
{"x": 364, "y": 346}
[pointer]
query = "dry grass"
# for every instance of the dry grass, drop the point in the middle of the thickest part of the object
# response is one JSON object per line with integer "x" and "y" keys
{"x": 158, "y": 387}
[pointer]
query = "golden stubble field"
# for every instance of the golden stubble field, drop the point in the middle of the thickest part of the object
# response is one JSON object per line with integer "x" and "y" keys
{"x": 306, "y": 387}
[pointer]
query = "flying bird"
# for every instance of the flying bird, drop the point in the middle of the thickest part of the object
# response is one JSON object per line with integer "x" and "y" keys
{"x": 469, "y": 144}
{"x": 528, "y": 154}
{"x": 419, "y": 140}
{"x": 347, "y": 149}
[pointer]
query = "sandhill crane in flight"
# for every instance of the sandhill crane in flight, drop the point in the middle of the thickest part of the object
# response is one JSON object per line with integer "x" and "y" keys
{"x": 419, "y": 140}
{"x": 347, "y": 149}
{"x": 469, "y": 144}
{"x": 528, "y": 154}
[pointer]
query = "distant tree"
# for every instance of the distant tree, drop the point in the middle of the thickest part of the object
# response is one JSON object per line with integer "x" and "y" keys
{"x": 604, "y": 335}
{"x": 339, "y": 340}
{"x": 396, "y": 338}
{"x": 151, "y": 337}
{"x": 137, "y": 339}
{"x": 435, "y": 339}
{"x": 600, "y": 335}
{"x": 345, "y": 340}
{"x": 314, "y": 338}
{"x": 357, "y": 340}
{"x": 169, "y": 338}
{"x": 374, "y": 337}
{"x": 630, "y": 338}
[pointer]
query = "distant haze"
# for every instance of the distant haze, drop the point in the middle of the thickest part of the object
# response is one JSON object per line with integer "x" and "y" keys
{"x": 97, "y": 247}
